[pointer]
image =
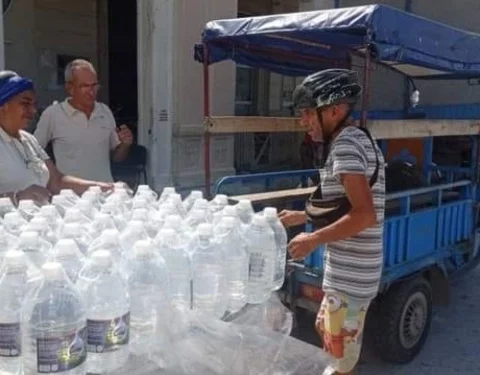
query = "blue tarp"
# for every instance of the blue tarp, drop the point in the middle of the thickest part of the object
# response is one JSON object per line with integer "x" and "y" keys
{"x": 300, "y": 43}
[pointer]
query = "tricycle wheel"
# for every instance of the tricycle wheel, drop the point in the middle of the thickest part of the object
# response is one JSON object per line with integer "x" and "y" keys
{"x": 399, "y": 322}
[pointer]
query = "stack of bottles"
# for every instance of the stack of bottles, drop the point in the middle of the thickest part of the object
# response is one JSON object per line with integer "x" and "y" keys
{"x": 85, "y": 281}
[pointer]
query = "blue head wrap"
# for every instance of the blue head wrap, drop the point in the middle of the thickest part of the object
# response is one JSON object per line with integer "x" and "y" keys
{"x": 11, "y": 84}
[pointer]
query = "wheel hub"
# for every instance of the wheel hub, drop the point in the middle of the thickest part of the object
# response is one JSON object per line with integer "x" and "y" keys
{"x": 413, "y": 320}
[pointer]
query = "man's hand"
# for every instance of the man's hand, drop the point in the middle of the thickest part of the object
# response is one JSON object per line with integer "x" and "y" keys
{"x": 38, "y": 194}
{"x": 302, "y": 245}
{"x": 292, "y": 218}
{"x": 125, "y": 135}
{"x": 104, "y": 186}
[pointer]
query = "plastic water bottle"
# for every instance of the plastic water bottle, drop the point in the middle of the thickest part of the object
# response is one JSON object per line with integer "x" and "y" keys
{"x": 62, "y": 204}
{"x": 208, "y": 274}
{"x": 109, "y": 240}
{"x": 87, "y": 208}
{"x": 155, "y": 222}
{"x": 13, "y": 287}
{"x": 75, "y": 216}
{"x": 105, "y": 293}
{"x": 140, "y": 214}
{"x": 14, "y": 223}
{"x": 6, "y": 206}
{"x": 40, "y": 225}
{"x": 28, "y": 209}
{"x": 198, "y": 214}
{"x": 262, "y": 252}
{"x": 167, "y": 191}
{"x": 281, "y": 241}
{"x": 93, "y": 198}
{"x": 122, "y": 195}
{"x": 217, "y": 204}
{"x": 148, "y": 284}
{"x": 101, "y": 222}
{"x": 7, "y": 241}
{"x": 176, "y": 200}
{"x": 176, "y": 223}
{"x": 191, "y": 198}
{"x": 70, "y": 195}
{"x": 140, "y": 202}
{"x": 34, "y": 247}
{"x": 245, "y": 211}
{"x": 54, "y": 326}
{"x": 97, "y": 190}
{"x": 53, "y": 217}
{"x": 77, "y": 233}
{"x": 134, "y": 231}
{"x": 179, "y": 266}
{"x": 66, "y": 253}
{"x": 147, "y": 193}
{"x": 237, "y": 261}
{"x": 116, "y": 213}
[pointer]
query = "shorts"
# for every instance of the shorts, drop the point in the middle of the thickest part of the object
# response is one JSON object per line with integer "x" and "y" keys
{"x": 340, "y": 324}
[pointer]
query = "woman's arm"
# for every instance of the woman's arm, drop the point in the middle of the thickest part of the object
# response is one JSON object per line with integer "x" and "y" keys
{"x": 59, "y": 181}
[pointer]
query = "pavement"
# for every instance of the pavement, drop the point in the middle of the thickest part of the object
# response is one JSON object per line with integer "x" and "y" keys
{"x": 454, "y": 340}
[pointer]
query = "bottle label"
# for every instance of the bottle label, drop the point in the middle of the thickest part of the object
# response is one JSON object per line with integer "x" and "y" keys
{"x": 59, "y": 354}
{"x": 108, "y": 335}
{"x": 257, "y": 266}
{"x": 10, "y": 340}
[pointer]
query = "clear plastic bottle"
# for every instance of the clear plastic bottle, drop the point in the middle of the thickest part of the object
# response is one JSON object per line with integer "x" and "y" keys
{"x": 281, "y": 241}
{"x": 146, "y": 192}
{"x": 262, "y": 253}
{"x": 87, "y": 208}
{"x": 106, "y": 297}
{"x": 122, "y": 195}
{"x": 66, "y": 253}
{"x": 176, "y": 200}
{"x": 40, "y": 225}
{"x": 54, "y": 326}
{"x": 179, "y": 267}
{"x": 218, "y": 203}
{"x": 189, "y": 201}
{"x": 134, "y": 231}
{"x": 6, "y": 206}
{"x": 119, "y": 216}
{"x": 176, "y": 223}
{"x": 28, "y": 209}
{"x": 70, "y": 195}
{"x": 13, "y": 287}
{"x": 7, "y": 241}
{"x": 108, "y": 240}
{"x": 148, "y": 284}
{"x": 167, "y": 191}
{"x": 75, "y": 216}
{"x": 155, "y": 222}
{"x": 77, "y": 233}
{"x": 53, "y": 217}
{"x": 62, "y": 204}
{"x": 198, "y": 214}
{"x": 101, "y": 222}
{"x": 140, "y": 214}
{"x": 208, "y": 274}
{"x": 34, "y": 247}
{"x": 236, "y": 262}
{"x": 14, "y": 223}
{"x": 140, "y": 202}
{"x": 93, "y": 198}
{"x": 245, "y": 211}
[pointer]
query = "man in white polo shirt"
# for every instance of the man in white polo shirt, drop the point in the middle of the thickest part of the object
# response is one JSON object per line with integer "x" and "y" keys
{"x": 83, "y": 131}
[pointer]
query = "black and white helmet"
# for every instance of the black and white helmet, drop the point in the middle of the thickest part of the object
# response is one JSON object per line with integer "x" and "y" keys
{"x": 328, "y": 87}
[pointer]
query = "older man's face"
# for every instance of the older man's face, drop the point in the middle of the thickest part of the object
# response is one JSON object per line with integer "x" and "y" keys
{"x": 83, "y": 87}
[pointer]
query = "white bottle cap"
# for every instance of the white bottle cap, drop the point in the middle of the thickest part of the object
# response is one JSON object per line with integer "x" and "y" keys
{"x": 29, "y": 238}
{"x": 83, "y": 204}
{"x": 259, "y": 220}
{"x": 197, "y": 194}
{"x": 173, "y": 221}
{"x": 143, "y": 188}
{"x": 40, "y": 221}
{"x": 139, "y": 202}
{"x": 26, "y": 203}
{"x": 244, "y": 204}
{"x": 200, "y": 204}
{"x": 230, "y": 211}
{"x": 59, "y": 199}
{"x": 270, "y": 212}
{"x": 221, "y": 198}
{"x": 15, "y": 258}
{"x": 108, "y": 206}
{"x": 53, "y": 271}
{"x": 67, "y": 192}
{"x": 89, "y": 194}
{"x": 143, "y": 247}
{"x": 73, "y": 214}
{"x": 101, "y": 216}
{"x": 205, "y": 230}
{"x": 65, "y": 246}
{"x": 5, "y": 202}
{"x": 167, "y": 233}
{"x": 49, "y": 210}
{"x": 102, "y": 258}
{"x": 117, "y": 185}
{"x": 72, "y": 229}
{"x": 13, "y": 217}
{"x": 135, "y": 225}
{"x": 169, "y": 190}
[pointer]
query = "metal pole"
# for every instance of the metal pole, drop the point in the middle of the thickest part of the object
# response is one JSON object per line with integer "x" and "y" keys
{"x": 366, "y": 87}
{"x": 206, "y": 113}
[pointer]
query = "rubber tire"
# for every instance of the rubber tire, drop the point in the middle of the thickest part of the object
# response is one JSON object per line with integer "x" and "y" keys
{"x": 383, "y": 321}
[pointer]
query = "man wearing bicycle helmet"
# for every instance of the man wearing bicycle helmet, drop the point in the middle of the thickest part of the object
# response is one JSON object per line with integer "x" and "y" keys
{"x": 354, "y": 168}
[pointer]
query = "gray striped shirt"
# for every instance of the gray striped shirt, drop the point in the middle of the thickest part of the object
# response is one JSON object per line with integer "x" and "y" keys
{"x": 353, "y": 266}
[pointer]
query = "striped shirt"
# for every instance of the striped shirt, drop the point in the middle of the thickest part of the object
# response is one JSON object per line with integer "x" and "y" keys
{"x": 353, "y": 266}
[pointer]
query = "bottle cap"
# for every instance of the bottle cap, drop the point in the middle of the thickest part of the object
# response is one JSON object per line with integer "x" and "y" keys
{"x": 102, "y": 258}
{"x": 244, "y": 204}
{"x": 48, "y": 210}
{"x": 168, "y": 190}
{"x": 15, "y": 258}
{"x": 110, "y": 234}
{"x": 196, "y": 194}
{"x": 65, "y": 246}
{"x": 259, "y": 220}
{"x": 29, "y": 238}
{"x": 270, "y": 212}
{"x": 221, "y": 199}
{"x": 200, "y": 204}
{"x": 26, "y": 203}
{"x": 229, "y": 222}
{"x": 67, "y": 192}
{"x": 143, "y": 247}
{"x": 205, "y": 230}
{"x": 5, "y": 202}
{"x": 53, "y": 271}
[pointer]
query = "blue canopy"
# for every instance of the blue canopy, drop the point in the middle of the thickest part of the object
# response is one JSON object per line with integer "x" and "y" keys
{"x": 298, "y": 44}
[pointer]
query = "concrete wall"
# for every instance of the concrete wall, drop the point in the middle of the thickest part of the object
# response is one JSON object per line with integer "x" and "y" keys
{"x": 36, "y": 31}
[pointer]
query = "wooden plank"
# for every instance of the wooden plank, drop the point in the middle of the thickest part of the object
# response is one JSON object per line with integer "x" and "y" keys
{"x": 381, "y": 129}
{"x": 275, "y": 196}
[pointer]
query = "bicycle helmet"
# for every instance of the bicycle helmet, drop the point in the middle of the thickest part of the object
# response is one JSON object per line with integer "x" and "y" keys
{"x": 326, "y": 88}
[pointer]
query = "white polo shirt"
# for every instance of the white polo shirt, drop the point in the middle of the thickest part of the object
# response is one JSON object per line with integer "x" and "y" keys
{"x": 81, "y": 145}
{"x": 22, "y": 163}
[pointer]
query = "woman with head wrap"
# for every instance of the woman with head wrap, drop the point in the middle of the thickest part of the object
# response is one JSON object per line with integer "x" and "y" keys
{"x": 26, "y": 171}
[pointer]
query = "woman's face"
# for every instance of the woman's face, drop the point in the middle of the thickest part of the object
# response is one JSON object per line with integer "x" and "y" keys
{"x": 309, "y": 120}
{"x": 19, "y": 112}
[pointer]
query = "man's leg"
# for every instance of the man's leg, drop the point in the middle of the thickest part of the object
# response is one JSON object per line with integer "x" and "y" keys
{"x": 340, "y": 324}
